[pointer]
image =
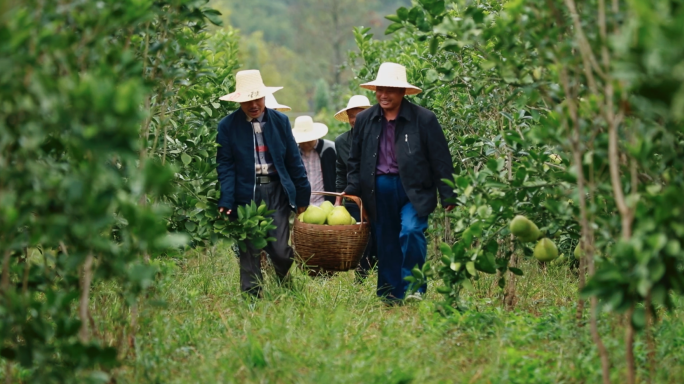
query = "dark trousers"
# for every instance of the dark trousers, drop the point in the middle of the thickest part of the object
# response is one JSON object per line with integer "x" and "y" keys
{"x": 280, "y": 252}
{"x": 400, "y": 235}
{"x": 369, "y": 257}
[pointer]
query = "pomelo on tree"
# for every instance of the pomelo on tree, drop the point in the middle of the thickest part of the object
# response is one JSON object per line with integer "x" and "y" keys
{"x": 314, "y": 215}
{"x": 545, "y": 250}
{"x": 578, "y": 252}
{"x": 524, "y": 229}
{"x": 339, "y": 216}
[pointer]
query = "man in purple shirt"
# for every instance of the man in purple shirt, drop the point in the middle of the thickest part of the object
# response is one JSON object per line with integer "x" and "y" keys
{"x": 397, "y": 161}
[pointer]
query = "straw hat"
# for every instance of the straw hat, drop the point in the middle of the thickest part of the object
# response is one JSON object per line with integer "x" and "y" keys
{"x": 392, "y": 75}
{"x": 249, "y": 86}
{"x": 356, "y": 101}
{"x": 306, "y": 130}
{"x": 272, "y": 103}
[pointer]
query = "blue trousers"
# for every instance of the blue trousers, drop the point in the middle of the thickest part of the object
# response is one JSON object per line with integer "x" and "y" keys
{"x": 400, "y": 237}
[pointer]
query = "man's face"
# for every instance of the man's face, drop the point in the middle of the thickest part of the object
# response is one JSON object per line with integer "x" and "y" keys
{"x": 351, "y": 115}
{"x": 389, "y": 98}
{"x": 254, "y": 108}
{"x": 308, "y": 146}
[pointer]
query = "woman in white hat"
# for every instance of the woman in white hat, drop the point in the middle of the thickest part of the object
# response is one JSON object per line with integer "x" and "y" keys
{"x": 258, "y": 160}
{"x": 355, "y": 105}
{"x": 318, "y": 156}
{"x": 272, "y": 103}
{"x": 397, "y": 161}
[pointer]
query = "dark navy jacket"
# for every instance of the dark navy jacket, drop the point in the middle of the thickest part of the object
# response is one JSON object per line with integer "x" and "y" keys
{"x": 422, "y": 155}
{"x": 235, "y": 159}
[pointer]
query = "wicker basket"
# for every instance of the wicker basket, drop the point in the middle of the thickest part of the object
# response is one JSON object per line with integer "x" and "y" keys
{"x": 331, "y": 247}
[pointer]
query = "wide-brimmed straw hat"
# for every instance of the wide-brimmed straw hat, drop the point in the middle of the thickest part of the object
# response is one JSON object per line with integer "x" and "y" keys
{"x": 249, "y": 86}
{"x": 306, "y": 130}
{"x": 356, "y": 101}
{"x": 272, "y": 103}
{"x": 392, "y": 75}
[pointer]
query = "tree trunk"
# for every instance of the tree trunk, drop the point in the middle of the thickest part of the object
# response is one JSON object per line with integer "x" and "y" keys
{"x": 650, "y": 339}
{"x": 629, "y": 345}
{"x": 587, "y": 229}
{"x": 8, "y": 372}
{"x": 580, "y": 286}
{"x": 87, "y": 277}
{"x": 510, "y": 295}
{"x": 4, "y": 281}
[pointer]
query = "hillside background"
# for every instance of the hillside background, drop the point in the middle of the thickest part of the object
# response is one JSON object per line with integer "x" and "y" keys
{"x": 302, "y": 45}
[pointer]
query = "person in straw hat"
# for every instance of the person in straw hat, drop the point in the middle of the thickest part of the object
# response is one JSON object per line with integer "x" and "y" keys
{"x": 258, "y": 160}
{"x": 355, "y": 105}
{"x": 318, "y": 156}
{"x": 272, "y": 103}
{"x": 397, "y": 161}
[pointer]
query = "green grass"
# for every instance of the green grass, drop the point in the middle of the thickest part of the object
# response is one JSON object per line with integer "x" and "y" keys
{"x": 336, "y": 331}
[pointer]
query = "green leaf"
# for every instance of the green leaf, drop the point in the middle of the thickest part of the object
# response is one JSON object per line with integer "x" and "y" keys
{"x": 436, "y": 8}
{"x": 431, "y": 76}
{"x": 186, "y": 159}
{"x": 403, "y": 13}
{"x": 393, "y": 18}
{"x": 445, "y": 249}
{"x": 444, "y": 290}
{"x": 516, "y": 271}
{"x": 470, "y": 267}
{"x": 502, "y": 282}
{"x": 639, "y": 318}
{"x": 393, "y": 28}
{"x": 190, "y": 226}
{"x": 213, "y": 16}
{"x": 434, "y": 43}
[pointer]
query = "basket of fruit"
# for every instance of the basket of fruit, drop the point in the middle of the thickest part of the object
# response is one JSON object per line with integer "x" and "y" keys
{"x": 328, "y": 238}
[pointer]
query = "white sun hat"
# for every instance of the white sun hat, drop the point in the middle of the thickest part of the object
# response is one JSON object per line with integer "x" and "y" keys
{"x": 272, "y": 103}
{"x": 356, "y": 101}
{"x": 306, "y": 130}
{"x": 392, "y": 75}
{"x": 249, "y": 86}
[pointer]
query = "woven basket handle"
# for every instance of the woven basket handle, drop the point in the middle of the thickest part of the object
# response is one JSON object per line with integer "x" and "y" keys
{"x": 355, "y": 199}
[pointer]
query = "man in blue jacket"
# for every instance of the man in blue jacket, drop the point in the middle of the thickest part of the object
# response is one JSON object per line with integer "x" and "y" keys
{"x": 258, "y": 159}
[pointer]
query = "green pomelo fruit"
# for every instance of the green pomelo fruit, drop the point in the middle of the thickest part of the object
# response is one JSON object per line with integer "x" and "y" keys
{"x": 301, "y": 217}
{"x": 524, "y": 229}
{"x": 314, "y": 215}
{"x": 327, "y": 207}
{"x": 339, "y": 216}
{"x": 578, "y": 252}
{"x": 352, "y": 221}
{"x": 560, "y": 260}
{"x": 534, "y": 235}
{"x": 545, "y": 250}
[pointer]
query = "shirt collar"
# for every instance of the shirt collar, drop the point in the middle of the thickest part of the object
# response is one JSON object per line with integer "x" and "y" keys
{"x": 260, "y": 118}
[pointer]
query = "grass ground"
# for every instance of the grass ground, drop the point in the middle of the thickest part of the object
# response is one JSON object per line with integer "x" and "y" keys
{"x": 196, "y": 328}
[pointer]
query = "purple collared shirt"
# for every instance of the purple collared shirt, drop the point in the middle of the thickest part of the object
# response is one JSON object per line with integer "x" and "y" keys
{"x": 387, "y": 159}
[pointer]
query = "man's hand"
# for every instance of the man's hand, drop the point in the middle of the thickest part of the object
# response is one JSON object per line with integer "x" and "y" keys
{"x": 338, "y": 200}
{"x": 450, "y": 207}
{"x": 226, "y": 210}
{"x": 301, "y": 210}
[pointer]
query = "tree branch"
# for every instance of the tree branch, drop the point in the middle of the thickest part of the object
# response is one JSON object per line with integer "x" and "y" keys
{"x": 87, "y": 277}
